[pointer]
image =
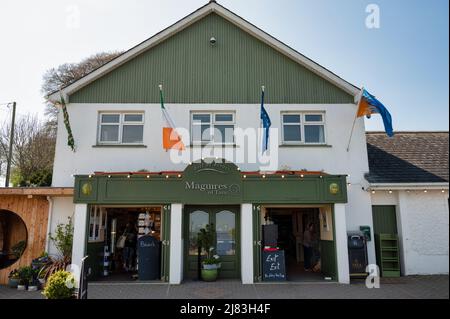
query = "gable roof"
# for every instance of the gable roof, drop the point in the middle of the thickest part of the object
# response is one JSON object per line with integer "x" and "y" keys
{"x": 197, "y": 15}
{"x": 408, "y": 157}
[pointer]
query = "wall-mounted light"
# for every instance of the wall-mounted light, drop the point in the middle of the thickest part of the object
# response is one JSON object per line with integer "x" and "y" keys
{"x": 213, "y": 41}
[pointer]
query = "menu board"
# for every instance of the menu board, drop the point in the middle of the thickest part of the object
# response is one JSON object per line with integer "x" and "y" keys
{"x": 274, "y": 268}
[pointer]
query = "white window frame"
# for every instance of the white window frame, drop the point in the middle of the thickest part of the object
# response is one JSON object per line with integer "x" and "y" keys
{"x": 121, "y": 125}
{"x": 302, "y": 124}
{"x": 212, "y": 123}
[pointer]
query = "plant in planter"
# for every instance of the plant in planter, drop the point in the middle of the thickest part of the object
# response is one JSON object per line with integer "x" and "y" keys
{"x": 60, "y": 285}
{"x": 33, "y": 283}
{"x": 25, "y": 273}
{"x": 211, "y": 264}
{"x": 13, "y": 279}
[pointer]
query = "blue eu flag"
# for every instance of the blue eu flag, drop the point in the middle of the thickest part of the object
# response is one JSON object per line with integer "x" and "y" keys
{"x": 266, "y": 123}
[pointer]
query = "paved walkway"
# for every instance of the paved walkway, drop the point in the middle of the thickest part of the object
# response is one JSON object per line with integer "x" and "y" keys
{"x": 422, "y": 287}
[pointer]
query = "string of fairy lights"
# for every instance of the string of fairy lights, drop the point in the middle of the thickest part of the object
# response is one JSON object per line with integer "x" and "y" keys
{"x": 262, "y": 175}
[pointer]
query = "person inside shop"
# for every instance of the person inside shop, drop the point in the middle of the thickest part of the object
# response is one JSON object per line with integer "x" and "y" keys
{"x": 309, "y": 238}
{"x": 129, "y": 249}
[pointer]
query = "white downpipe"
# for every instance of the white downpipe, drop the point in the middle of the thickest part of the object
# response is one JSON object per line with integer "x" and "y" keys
{"x": 49, "y": 223}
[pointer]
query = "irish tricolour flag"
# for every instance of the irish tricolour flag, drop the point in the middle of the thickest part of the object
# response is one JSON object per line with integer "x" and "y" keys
{"x": 171, "y": 139}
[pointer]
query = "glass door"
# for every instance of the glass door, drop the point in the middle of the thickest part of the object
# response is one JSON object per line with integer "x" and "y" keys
{"x": 224, "y": 220}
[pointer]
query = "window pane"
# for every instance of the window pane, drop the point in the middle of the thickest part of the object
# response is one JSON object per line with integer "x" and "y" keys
{"x": 224, "y": 117}
{"x": 109, "y": 133}
{"x": 110, "y": 118}
{"x": 197, "y": 220}
{"x": 226, "y": 233}
{"x": 201, "y": 132}
{"x": 204, "y": 118}
{"x": 224, "y": 133}
{"x": 314, "y": 134}
{"x": 132, "y": 134}
{"x": 313, "y": 118}
{"x": 133, "y": 118}
{"x": 291, "y": 118}
{"x": 291, "y": 133}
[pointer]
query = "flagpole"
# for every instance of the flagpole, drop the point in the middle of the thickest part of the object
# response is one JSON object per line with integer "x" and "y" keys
{"x": 261, "y": 121}
{"x": 354, "y": 121}
{"x": 161, "y": 100}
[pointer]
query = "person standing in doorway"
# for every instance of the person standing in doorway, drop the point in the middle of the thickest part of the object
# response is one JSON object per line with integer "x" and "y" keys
{"x": 129, "y": 250}
{"x": 308, "y": 245}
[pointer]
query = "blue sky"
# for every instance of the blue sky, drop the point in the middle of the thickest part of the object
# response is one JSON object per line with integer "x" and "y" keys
{"x": 405, "y": 62}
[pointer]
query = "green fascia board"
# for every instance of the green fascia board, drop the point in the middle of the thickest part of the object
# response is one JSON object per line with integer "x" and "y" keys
{"x": 194, "y": 71}
{"x": 138, "y": 189}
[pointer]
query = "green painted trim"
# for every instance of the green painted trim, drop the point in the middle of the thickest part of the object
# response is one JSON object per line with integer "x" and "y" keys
{"x": 119, "y": 146}
{"x": 216, "y": 183}
{"x": 257, "y": 277}
{"x": 212, "y": 211}
{"x": 336, "y": 269}
{"x": 167, "y": 210}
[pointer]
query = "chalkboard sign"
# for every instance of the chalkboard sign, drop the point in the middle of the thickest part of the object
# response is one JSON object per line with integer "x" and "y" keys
{"x": 274, "y": 268}
{"x": 149, "y": 258}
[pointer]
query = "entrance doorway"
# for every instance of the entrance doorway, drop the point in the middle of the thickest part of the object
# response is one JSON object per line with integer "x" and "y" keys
{"x": 113, "y": 240}
{"x": 306, "y": 236}
{"x": 225, "y": 222}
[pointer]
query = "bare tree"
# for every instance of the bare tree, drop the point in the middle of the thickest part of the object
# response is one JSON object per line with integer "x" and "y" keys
{"x": 65, "y": 74}
{"x": 33, "y": 149}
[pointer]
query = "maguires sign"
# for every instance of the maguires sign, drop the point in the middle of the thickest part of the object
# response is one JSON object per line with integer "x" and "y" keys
{"x": 218, "y": 180}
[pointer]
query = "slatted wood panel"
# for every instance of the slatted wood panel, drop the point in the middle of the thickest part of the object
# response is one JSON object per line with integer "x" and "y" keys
{"x": 34, "y": 213}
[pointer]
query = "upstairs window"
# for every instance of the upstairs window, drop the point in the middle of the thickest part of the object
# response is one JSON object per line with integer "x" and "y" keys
{"x": 121, "y": 128}
{"x": 303, "y": 128}
{"x": 212, "y": 128}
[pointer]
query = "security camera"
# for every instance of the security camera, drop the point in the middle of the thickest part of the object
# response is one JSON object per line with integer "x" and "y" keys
{"x": 212, "y": 40}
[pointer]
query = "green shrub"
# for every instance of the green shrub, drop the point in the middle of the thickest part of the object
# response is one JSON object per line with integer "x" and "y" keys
{"x": 63, "y": 239}
{"x": 59, "y": 286}
{"x": 25, "y": 275}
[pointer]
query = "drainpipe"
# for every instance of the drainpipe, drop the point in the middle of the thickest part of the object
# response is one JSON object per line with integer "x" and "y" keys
{"x": 49, "y": 223}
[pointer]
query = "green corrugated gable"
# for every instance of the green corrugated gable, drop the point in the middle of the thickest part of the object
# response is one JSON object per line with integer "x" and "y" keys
{"x": 194, "y": 71}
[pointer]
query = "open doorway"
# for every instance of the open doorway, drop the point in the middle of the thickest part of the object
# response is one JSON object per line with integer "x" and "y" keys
{"x": 306, "y": 236}
{"x": 114, "y": 243}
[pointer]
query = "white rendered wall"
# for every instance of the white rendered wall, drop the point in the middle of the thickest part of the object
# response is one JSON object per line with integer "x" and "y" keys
{"x": 63, "y": 208}
{"x": 423, "y": 225}
{"x": 247, "y": 243}
{"x": 176, "y": 244}
{"x": 87, "y": 159}
{"x": 333, "y": 160}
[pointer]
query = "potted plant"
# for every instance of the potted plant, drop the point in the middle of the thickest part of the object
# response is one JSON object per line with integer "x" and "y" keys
{"x": 25, "y": 273}
{"x": 33, "y": 283}
{"x": 210, "y": 264}
{"x": 13, "y": 279}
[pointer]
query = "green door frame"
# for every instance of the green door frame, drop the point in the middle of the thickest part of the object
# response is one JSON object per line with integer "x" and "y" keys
{"x": 165, "y": 242}
{"x": 257, "y": 246}
{"x": 212, "y": 210}
{"x": 257, "y": 272}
